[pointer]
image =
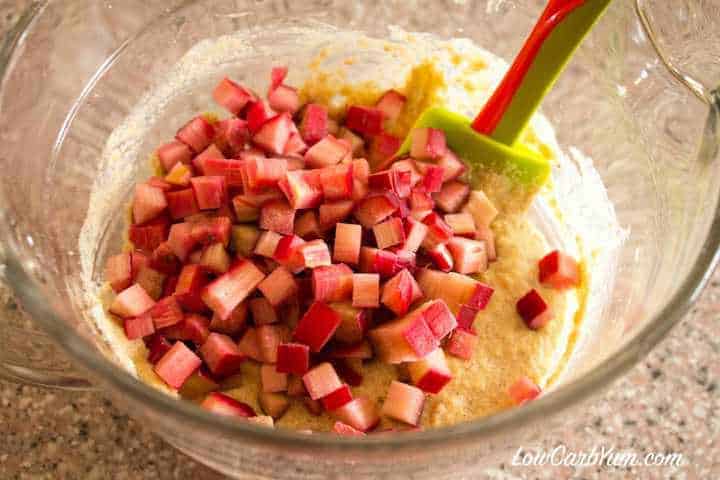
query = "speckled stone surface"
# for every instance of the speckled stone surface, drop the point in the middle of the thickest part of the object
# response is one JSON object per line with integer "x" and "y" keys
{"x": 668, "y": 403}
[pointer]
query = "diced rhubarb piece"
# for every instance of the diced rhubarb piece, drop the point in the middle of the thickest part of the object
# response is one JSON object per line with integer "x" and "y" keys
{"x": 179, "y": 175}
{"x": 524, "y": 390}
{"x": 293, "y": 358}
{"x": 462, "y": 344}
{"x": 365, "y": 120}
{"x": 333, "y": 283}
{"x": 182, "y": 203}
{"x": 428, "y": 144}
{"x": 391, "y": 104}
{"x": 431, "y": 373}
{"x": 317, "y": 326}
{"x": 227, "y": 291}
{"x": 481, "y": 208}
{"x": 333, "y": 127}
{"x": 383, "y": 148}
{"x": 302, "y": 188}
{"x": 264, "y": 421}
{"x": 244, "y": 239}
{"x": 286, "y": 251}
{"x": 415, "y": 233}
{"x": 337, "y": 182}
{"x": 404, "y": 403}
{"x": 222, "y": 404}
{"x": 358, "y": 351}
{"x": 278, "y": 286}
{"x": 284, "y": 99}
{"x": 461, "y": 224}
{"x": 231, "y": 135}
{"x": 158, "y": 182}
{"x": 264, "y": 173}
{"x": 384, "y": 262}
{"x": 257, "y": 113}
{"x": 197, "y": 134}
{"x": 420, "y": 200}
{"x": 274, "y": 134}
{"x": 118, "y": 271}
{"x": 357, "y": 144}
{"x": 211, "y": 152}
{"x": 139, "y": 327}
{"x": 534, "y": 310}
{"x": 272, "y": 381}
{"x": 559, "y": 271}
{"x": 321, "y": 381}
{"x": 486, "y": 234}
{"x": 307, "y": 226}
{"x": 439, "y": 318}
{"x": 157, "y": 346}
{"x": 404, "y": 340}
{"x": 166, "y": 313}
{"x": 481, "y": 295}
{"x": 195, "y": 328}
{"x": 466, "y": 317}
{"x": 131, "y": 302}
{"x": 314, "y": 125}
{"x": 198, "y": 385}
{"x": 332, "y": 213}
{"x": 277, "y": 216}
{"x": 396, "y": 180}
{"x": 374, "y": 209}
{"x": 277, "y": 77}
{"x": 262, "y": 311}
{"x": 177, "y": 365}
{"x": 452, "y": 196}
{"x": 248, "y": 345}
{"x": 360, "y": 414}
{"x": 206, "y": 231}
{"x": 366, "y": 290}
{"x": 441, "y": 257}
{"x": 232, "y": 325}
{"x": 348, "y": 239}
{"x": 314, "y": 254}
{"x": 469, "y": 256}
{"x": 148, "y": 203}
{"x": 400, "y": 292}
{"x": 210, "y": 192}
{"x": 188, "y": 291}
{"x": 221, "y": 355}
{"x": 327, "y": 152}
{"x": 438, "y": 233}
{"x": 337, "y": 399}
{"x": 452, "y": 166}
{"x": 245, "y": 209}
{"x": 408, "y": 166}
{"x": 389, "y": 233}
{"x": 360, "y": 190}
{"x": 274, "y": 404}
{"x": 346, "y": 430}
{"x": 295, "y": 147}
{"x": 433, "y": 178}
{"x": 138, "y": 261}
{"x": 353, "y": 323}
{"x": 151, "y": 280}
{"x": 231, "y": 96}
{"x": 215, "y": 259}
{"x": 173, "y": 153}
{"x": 455, "y": 289}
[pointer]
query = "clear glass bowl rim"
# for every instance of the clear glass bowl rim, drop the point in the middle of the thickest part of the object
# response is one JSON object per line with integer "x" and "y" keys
{"x": 550, "y": 404}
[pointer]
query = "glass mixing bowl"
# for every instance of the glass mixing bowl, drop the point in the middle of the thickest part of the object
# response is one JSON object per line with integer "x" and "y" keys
{"x": 637, "y": 98}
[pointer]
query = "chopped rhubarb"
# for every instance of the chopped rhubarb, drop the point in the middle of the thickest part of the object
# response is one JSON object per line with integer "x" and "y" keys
{"x": 361, "y": 170}
{"x": 151, "y": 280}
{"x": 433, "y": 178}
{"x": 267, "y": 244}
{"x": 382, "y": 149}
{"x": 317, "y": 326}
{"x": 559, "y": 271}
{"x": 268, "y": 338}
{"x": 274, "y": 134}
{"x": 277, "y": 216}
{"x": 295, "y": 148}
{"x": 404, "y": 340}
{"x": 188, "y": 291}
{"x": 118, "y": 271}
{"x": 415, "y": 233}
{"x": 231, "y": 135}
{"x": 179, "y": 175}
{"x": 454, "y": 289}
{"x": 314, "y": 125}
{"x": 337, "y": 399}
{"x": 391, "y": 104}
{"x": 197, "y": 134}
{"x": 384, "y": 262}
{"x": 307, "y": 226}
{"x": 284, "y": 99}
{"x": 221, "y": 355}
{"x": 428, "y": 144}
{"x": 439, "y": 318}
{"x": 469, "y": 256}
{"x": 366, "y": 290}
{"x": 337, "y": 182}
{"x": 277, "y": 77}
{"x": 211, "y": 152}
{"x": 232, "y": 96}
{"x": 194, "y": 328}
{"x": 348, "y": 239}
{"x": 279, "y": 286}
{"x": 173, "y": 153}
{"x": 361, "y": 414}
{"x": 262, "y": 173}
{"x": 148, "y": 203}
{"x": 466, "y": 317}
{"x": 248, "y": 345}
{"x": 207, "y": 231}
{"x": 374, "y": 209}
{"x": 314, "y": 254}
{"x": 210, "y": 192}
{"x": 222, "y": 404}
{"x": 272, "y": 381}
{"x": 420, "y": 200}
{"x": 160, "y": 183}
{"x": 357, "y": 144}
{"x": 274, "y": 404}
{"x": 327, "y": 152}
{"x": 215, "y": 259}
{"x": 389, "y": 233}
{"x": 524, "y": 390}
{"x": 462, "y": 344}
{"x": 177, "y": 365}
{"x": 321, "y": 381}
{"x": 131, "y": 302}
{"x": 486, "y": 234}
{"x": 157, "y": 346}
{"x": 330, "y": 214}
{"x": 244, "y": 239}
{"x": 258, "y": 114}
{"x": 452, "y": 196}
{"x": 262, "y": 311}
{"x": 286, "y": 252}
{"x": 452, "y": 166}
{"x": 534, "y": 310}
{"x": 293, "y": 358}
{"x": 198, "y": 385}
{"x": 365, "y": 120}
{"x": 430, "y": 374}
{"x": 182, "y": 203}
{"x": 461, "y": 224}
{"x": 302, "y": 188}
{"x": 481, "y": 208}
{"x": 481, "y": 295}
{"x": 404, "y": 403}
{"x": 232, "y": 325}
{"x": 400, "y": 292}
{"x": 441, "y": 257}
{"x": 353, "y": 323}
{"x": 333, "y": 283}
{"x": 438, "y": 233}
{"x": 225, "y": 293}
{"x": 139, "y": 327}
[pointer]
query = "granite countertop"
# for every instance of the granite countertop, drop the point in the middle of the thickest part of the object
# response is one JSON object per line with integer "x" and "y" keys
{"x": 668, "y": 403}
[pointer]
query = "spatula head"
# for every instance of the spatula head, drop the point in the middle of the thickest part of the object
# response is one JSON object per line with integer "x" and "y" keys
{"x": 481, "y": 153}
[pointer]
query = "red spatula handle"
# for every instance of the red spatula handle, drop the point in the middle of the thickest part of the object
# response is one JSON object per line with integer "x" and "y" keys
{"x": 497, "y": 105}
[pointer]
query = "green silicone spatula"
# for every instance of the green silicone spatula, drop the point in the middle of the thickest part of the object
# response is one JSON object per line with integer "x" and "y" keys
{"x": 490, "y": 141}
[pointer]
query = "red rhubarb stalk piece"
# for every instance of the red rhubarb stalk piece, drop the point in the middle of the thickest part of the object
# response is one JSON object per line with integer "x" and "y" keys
{"x": 293, "y": 358}
{"x": 333, "y": 283}
{"x": 534, "y": 310}
{"x": 279, "y": 286}
{"x": 173, "y": 153}
{"x": 274, "y": 134}
{"x": 321, "y": 381}
{"x": 221, "y": 355}
{"x": 231, "y": 96}
{"x": 177, "y": 365}
{"x": 262, "y": 311}
{"x": 148, "y": 203}
{"x": 559, "y": 270}
{"x": 337, "y": 399}
{"x": 430, "y": 374}
{"x": 197, "y": 134}
{"x": 222, "y": 404}
{"x": 277, "y": 216}
{"x": 139, "y": 327}
{"x": 118, "y": 271}
{"x": 314, "y": 125}
{"x": 327, "y": 152}
{"x": 365, "y": 120}
{"x": 404, "y": 403}
{"x": 462, "y": 344}
{"x": 317, "y": 326}
{"x": 366, "y": 290}
{"x": 404, "y": 340}
{"x": 428, "y": 144}
{"x": 524, "y": 390}
{"x": 227, "y": 291}
{"x": 361, "y": 414}
{"x": 348, "y": 240}
{"x": 391, "y": 104}
{"x": 131, "y": 302}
